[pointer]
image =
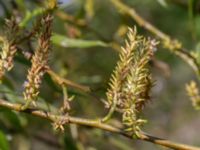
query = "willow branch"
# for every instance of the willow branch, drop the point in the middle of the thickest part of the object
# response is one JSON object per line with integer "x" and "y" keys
{"x": 95, "y": 124}
{"x": 62, "y": 81}
{"x": 173, "y": 45}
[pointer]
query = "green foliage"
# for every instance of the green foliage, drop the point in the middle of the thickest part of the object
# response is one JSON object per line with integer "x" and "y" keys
{"x": 66, "y": 42}
{"x": 4, "y": 145}
{"x": 163, "y": 3}
{"x": 30, "y": 16}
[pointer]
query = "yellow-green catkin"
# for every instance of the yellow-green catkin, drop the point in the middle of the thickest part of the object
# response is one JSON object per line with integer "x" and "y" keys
{"x": 39, "y": 61}
{"x": 131, "y": 81}
{"x": 122, "y": 69}
{"x": 193, "y": 93}
{"x": 137, "y": 87}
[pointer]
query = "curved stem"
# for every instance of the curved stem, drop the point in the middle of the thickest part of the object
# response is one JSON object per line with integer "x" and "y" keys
{"x": 59, "y": 80}
{"x": 111, "y": 110}
{"x": 96, "y": 124}
{"x": 173, "y": 45}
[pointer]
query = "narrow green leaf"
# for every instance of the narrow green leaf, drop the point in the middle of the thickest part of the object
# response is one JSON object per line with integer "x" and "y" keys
{"x": 66, "y": 42}
{"x": 29, "y": 16}
{"x": 191, "y": 15}
{"x": 10, "y": 95}
{"x": 21, "y": 5}
{"x": 89, "y": 8}
{"x": 163, "y": 3}
{"x": 4, "y": 145}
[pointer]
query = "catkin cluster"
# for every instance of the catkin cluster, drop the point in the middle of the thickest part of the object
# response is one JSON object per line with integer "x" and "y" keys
{"x": 8, "y": 46}
{"x": 39, "y": 60}
{"x": 131, "y": 81}
{"x": 193, "y": 93}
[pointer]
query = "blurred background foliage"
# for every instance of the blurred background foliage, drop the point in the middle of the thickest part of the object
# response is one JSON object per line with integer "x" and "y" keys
{"x": 84, "y": 44}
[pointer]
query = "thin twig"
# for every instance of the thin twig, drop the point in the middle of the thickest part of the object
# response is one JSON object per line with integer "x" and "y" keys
{"x": 96, "y": 124}
{"x": 67, "y": 82}
{"x": 58, "y": 79}
{"x": 172, "y": 44}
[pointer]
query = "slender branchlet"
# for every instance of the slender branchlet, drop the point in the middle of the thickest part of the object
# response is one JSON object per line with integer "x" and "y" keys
{"x": 193, "y": 93}
{"x": 39, "y": 61}
{"x": 8, "y": 47}
{"x": 64, "y": 110}
{"x": 131, "y": 81}
{"x": 172, "y": 45}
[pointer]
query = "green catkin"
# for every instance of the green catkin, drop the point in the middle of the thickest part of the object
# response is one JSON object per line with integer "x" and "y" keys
{"x": 193, "y": 93}
{"x": 131, "y": 81}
